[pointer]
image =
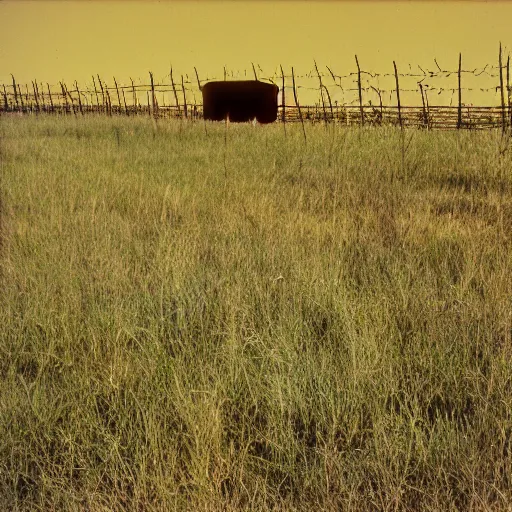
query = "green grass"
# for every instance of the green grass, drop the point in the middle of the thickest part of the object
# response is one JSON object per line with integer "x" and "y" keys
{"x": 189, "y": 324}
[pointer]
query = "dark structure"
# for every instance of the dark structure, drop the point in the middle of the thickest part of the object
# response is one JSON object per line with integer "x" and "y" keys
{"x": 241, "y": 100}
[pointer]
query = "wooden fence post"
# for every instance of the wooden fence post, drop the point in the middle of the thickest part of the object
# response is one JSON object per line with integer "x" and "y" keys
{"x": 360, "y": 91}
{"x": 381, "y": 111}
{"x": 35, "y": 97}
{"x": 103, "y": 97}
{"x": 41, "y": 94}
{"x": 96, "y": 91}
{"x": 79, "y": 99}
{"x": 502, "y": 91}
{"x": 154, "y": 106}
{"x": 64, "y": 95}
{"x": 108, "y": 101}
{"x": 71, "y": 99}
{"x": 398, "y": 97}
{"x": 175, "y": 95}
{"x": 321, "y": 93}
{"x": 283, "y": 102}
{"x": 184, "y": 98}
{"x": 29, "y": 102}
{"x": 425, "y": 119}
{"x": 21, "y": 98}
{"x": 118, "y": 96}
{"x": 124, "y": 101}
{"x": 298, "y": 107}
{"x": 15, "y": 91}
{"x": 40, "y": 100}
{"x": 134, "y": 97}
{"x": 459, "y": 113}
{"x": 50, "y": 95}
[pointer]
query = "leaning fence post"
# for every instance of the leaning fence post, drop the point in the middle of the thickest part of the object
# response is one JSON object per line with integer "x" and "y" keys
{"x": 298, "y": 107}
{"x": 50, "y": 95}
{"x": 175, "y": 95}
{"x": 35, "y": 97}
{"x": 103, "y": 97}
{"x": 70, "y": 98}
{"x": 503, "y": 122}
{"x": 459, "y": 115}
{"x": 124, "y": 101}
{"x": 321, "y": 93}
{"x": 360, "y": 91}
{"x": 398, "y": 97}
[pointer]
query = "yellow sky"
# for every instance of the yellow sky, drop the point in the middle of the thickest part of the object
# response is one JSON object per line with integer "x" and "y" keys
{"x": 72, "y": 40}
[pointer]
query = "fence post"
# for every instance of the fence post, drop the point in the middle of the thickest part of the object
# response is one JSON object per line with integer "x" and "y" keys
{"x": 360, "y": 91}
{"x": 42, "y": 96}
{"x": 459, "y": 113}
{"x": 283, "y": 102}
{"x": 425, "y": 118}
{"x": 134, "y": 97}
{"x": 503, "y": 122}
{"x": 70, "y": 98}
{"x": 79, "y": 99}
{"x": 153, "y": 103}
{"x": 35, "y": 97}
{"x": 254, "y": 71}
{"x": 30, "y": 103}
{"x": 298, "y": 107}
{"x": 15, "y": 91}
{"x": 103, "y": 97}
{"x": 50, "y": 95}
{"x": 40, "y": 99}
{"x": 96, "y": 92}
{"x": 184, "y": 98}
{"x": 321, "y": 93}
{"x": 124, "y": 101}
{"x": 398, "y": 97}
{"x": 175, "y": 95}
{"x": 118, "y": 96}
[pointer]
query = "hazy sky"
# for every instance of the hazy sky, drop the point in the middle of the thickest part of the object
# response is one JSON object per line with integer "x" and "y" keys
{"x": 72, "y": 40}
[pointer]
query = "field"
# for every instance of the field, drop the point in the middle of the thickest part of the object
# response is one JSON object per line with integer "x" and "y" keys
{"x": 201, "y": 318}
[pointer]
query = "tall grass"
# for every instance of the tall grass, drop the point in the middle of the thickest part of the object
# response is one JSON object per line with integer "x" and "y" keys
{"x": 189, "y": 324}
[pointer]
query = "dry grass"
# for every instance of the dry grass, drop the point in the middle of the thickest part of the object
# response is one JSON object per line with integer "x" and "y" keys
{"x": 186, "y": 325}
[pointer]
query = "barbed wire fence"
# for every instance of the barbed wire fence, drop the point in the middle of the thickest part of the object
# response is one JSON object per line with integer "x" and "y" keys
{"x": 358, "y": 97}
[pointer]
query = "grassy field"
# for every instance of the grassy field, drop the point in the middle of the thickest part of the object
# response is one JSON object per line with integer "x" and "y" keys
{"x": 234, "y": 320}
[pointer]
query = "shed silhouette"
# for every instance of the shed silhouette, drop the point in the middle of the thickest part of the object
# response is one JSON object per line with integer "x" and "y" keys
{"x": 240, "y": 100}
